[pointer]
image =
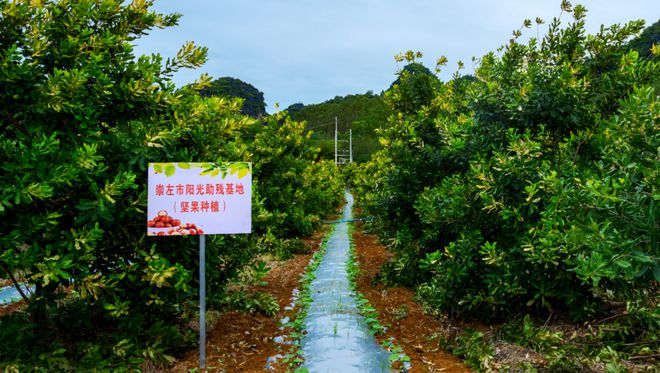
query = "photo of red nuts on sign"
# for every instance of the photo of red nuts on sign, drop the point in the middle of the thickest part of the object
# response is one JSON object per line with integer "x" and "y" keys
{"x": 165, "y": 225}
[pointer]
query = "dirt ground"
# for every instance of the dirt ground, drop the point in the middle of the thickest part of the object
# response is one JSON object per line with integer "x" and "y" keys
{"x": 9, "y": 308}
{"x": 239, "y": 342}
{"x": 413, "y": 330}
{"x": 242, "y": 343}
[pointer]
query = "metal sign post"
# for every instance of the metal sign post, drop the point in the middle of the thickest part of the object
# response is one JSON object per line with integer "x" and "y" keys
{"x": 336, "y": 159}
{"x": 202, "y": 301}
{"x": 211, "y": 198}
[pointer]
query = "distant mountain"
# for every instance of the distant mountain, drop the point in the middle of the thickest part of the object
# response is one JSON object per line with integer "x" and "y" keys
{"x": 363, "y": 113}
{"x": 293, "y": 109}
{"x": 643, "y": 43}
{"x": 414, "y": 69}
{"x": 253, "y": 105}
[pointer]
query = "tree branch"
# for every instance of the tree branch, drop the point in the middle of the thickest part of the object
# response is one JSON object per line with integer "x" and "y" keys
{"x": 16, "y": 284}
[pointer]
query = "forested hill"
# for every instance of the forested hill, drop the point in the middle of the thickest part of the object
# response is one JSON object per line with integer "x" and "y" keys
{"x": 644, "y": 42}
{"x": 363, "y": 113}
{"x": 253, "y": 104}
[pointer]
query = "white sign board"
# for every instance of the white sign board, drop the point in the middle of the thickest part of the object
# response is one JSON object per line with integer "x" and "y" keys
{"x": 199, "y": 198}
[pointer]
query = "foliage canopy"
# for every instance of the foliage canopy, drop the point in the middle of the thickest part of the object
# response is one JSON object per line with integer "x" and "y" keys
{"x": 81, "y": 117}
{"x": 531, "y": 188}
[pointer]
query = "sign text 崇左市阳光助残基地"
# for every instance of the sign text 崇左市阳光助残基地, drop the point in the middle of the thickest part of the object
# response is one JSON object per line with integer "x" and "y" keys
{"x": 199, "y": 198}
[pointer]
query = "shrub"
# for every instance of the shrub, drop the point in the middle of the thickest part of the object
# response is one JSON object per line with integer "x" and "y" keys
{"x": 531, "y": 188}
{"x": 81, "y": 117}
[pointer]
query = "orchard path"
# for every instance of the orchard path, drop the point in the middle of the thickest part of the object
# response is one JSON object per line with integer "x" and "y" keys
{"x": 338, "y": 339}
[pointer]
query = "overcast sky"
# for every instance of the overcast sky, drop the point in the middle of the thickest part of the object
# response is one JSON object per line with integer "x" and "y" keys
{"x": 311, "y": 50}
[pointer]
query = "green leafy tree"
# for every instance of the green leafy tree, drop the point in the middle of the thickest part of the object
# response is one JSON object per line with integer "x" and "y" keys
{"x": 296, "y": 190}
{"x": 414, "y": 87}
{"x": 504, "y": 194}
{"x": 81, "y": 117}
{"x": 364, "y": 114}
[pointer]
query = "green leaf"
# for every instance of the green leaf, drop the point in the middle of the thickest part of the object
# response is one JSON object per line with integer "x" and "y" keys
{"x": 184, "y": 165}
{"x": 242, "y": 172}
{"x": 169, "y": 170}
{"x": 623, "y": 264}
{"x": 641, "y": 257}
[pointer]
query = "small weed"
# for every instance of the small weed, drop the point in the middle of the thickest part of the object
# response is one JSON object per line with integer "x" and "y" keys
{"x": 398, "y": 359}
{"x": 400, "y": 313}
{"x": 294, "y": 359}
{"x": 474, "y": 347}
{"x": 260, "y": 270}
{"x": 257, "y": 302}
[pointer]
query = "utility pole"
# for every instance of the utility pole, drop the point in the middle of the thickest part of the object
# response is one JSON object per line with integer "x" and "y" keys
{"x": 335, "y": 141}
{"x": 350, "y": 145}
